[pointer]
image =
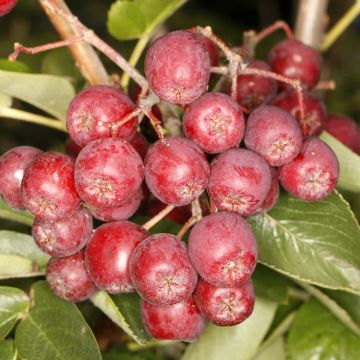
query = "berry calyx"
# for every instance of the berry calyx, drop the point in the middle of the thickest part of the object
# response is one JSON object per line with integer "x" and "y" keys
{"x": 161, "y": 271}
{"x": 223, "y": 250}
{"x": 215, "y": 122}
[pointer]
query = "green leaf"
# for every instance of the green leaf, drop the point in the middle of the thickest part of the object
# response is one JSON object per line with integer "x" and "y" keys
{"x": 124, "y": 311}
{"x": 13, "y": 305}
{"x": 349, "y": 163}
{"x": 8, "y": 350}
{"x": 51, "y": 94}
{"x": 270, "y": 284}
{"x": 16, "y": 66}
{"x": 54, "y": 329}
{"x": 316, "y": 242}
{"x": 238, "y": 342}
{"x": 317, "y": 334}
{"x": 275, "y": 351}
{"x": 6, "y": 212}
{"x": 20, "y": 256}
{"x": 132, "y": 19}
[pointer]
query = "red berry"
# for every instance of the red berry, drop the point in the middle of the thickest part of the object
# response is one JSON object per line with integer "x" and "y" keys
{"x": 273, "y": 194}
{"x": 65, "y": 236}
{"x": 255, "y": 90}
{"x": 274, "y": 134}
{"x": 48, "y": 188}
{"x": 72, "y": 148}
{"x": 177, "y": 66}
{"x": 6, "y": 6}
{"x": 345, "y": 130}
{"x": 125, "y": 210}
{"x": 140, "y": 144}
{"x": 313, "y": 174}
{"x": 239, "y": 182}
{"x": 107, "y": 172}
{"x": 215, "y": 122}
{"x": 161, "y": 271}
{"x": 225, "y": 306}
{"x": 108, "y": 255}
{"x": 295, "y": 60}
{"x": 210, "y": 46}
{"x": 223, "y": 250}
{"x": 94, "y": 110}
{"x": 176, "y": 171}
{"x": 314, "y": 109}
{"x": 68, "y": 278}
{"x": 181, "y": 321}
{"x": 12, "y": 166}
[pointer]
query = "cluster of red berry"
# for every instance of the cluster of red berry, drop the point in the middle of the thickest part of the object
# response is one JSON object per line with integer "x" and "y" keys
{"x": 108, "y": 173}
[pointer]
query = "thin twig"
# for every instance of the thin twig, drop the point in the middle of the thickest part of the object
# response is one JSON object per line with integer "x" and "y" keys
{"x": 153, "y": 221}
{"x": 278, "y": 25}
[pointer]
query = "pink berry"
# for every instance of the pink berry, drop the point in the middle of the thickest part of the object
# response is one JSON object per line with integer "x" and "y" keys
{"x": 107, "y": 172}
{"x": 65, "y": 236}
{"x": 314, "y": 109}
{"x": 313, "y": 174}
{"x": 181, "y": 321}
{"x": 225, "y": 306}
{"x": 93, "y": 112}
{"x": 68, "y": 278}
{"x": 176, "y": 171}
{"x": 177, "y": 67}
{"x": 125, "y": 210}
{"x": 223, "y": 250}
{"x": 239, "y": 181}
{"x": 345, "y": 129}
{"x": 140, "y": 144}
{"x": 161, "y": 271}
{"x": 6, "y": 6}
{"x": 210, "y": 46}
{"x": 255, "y": 90}
{"x": 274, "y": 134}
{"x": 273, "y": 194}
{"x": 12, "y": 166}
{"x": 295, "y": 60}
{"x": 215, "y": 122}
{"x": 48, "y": 188}
{"x": 108, "y": 255}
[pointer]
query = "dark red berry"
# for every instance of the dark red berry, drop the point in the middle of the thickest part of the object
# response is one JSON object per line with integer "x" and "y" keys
{"x": 12, "y": 166}
{"x": 225, "y": 306}
{"x": 211, "y": 48}
{"x": 68, "y": 278}
{"x": 160, "y": 270}
{"x": 181, "y": 321}
{"x": 6, "y": 6}
{"x": 239, "y": 182}
{"x": 176, "y": 171}
{"x": 274, "y": 134}
{"x": 345, "y": 130}
{"x": 177, "y": 66}
{"x": 255, "y": 90}
{"x": 65, "y": 236}
{"x": 48, "y": 188}
{"x": 108, "y": 255}
{"x": 215, "y": 122}
{"x": 107, "y": 172}
{"x": 223, "y": 249}
{"x": 125, "y": 210}
{"x": 94, "y": 110}
{"x": 140, "y": 144}
{"x": 72, "y": 148}
{"x": 313, "y": 174}
{"x": 273, "y": 194}
{"x": 295, "y": 60}
{"x": 314, "y": 109}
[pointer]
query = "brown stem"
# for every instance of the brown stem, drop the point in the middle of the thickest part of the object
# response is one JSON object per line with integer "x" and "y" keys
{"x": 85, "y": 57}
{"x": 157, "y": 218}
{"x": 123, "y": 121}
{"x": 326, "y": 85}
{"x": 192, "y": 221}
{"x": 156, "y": 123}
{"x": 278, "y": 25}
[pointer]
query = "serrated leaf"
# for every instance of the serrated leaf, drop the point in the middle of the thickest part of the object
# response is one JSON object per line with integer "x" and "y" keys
{"x": 238, "y": 342}
{"x": 316, "y": 242}
{"x": 23, "y": 217}
{"x": 54, "y": 329}
{"x": 317, "y": 334}
{"x": 13, "y": 305}
{"x": 349, "y": 163}
{"x": 8, "y": 350}
{"x": 124, "y": 311}
{"x": 19, "y": 255}
{"x": 51, "y": 94}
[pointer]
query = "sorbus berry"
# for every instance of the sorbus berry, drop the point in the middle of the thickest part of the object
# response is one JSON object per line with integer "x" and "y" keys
{"x": 6, "y": 6}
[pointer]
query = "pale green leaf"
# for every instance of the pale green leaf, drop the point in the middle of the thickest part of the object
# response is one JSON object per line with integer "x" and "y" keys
{"x": 23, "y": 217}
{"x": 8, "y": 350}
{"x": 275, "y": 351}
